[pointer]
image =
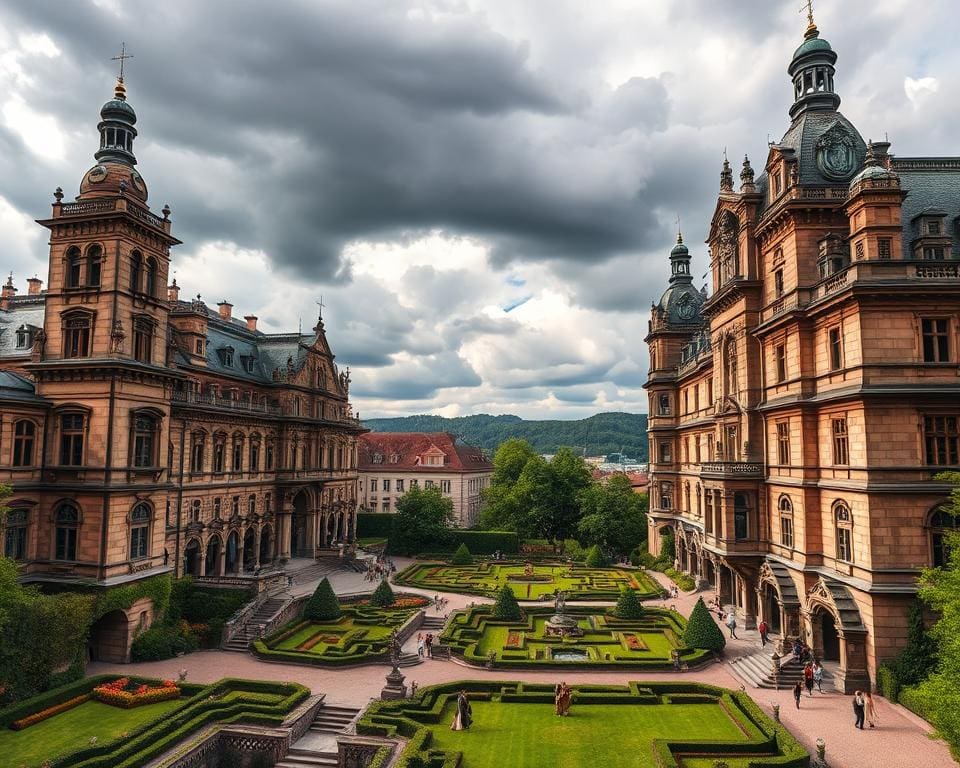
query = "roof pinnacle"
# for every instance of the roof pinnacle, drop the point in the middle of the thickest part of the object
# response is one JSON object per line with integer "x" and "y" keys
{"x": 812, "y": 30}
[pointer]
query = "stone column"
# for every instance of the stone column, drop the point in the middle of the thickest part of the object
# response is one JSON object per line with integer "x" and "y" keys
{"x": 748, "y": 594}
{"x": 256, "y": 547}
{"x": 222, "y": 565}
{"x": 240, "y": 547}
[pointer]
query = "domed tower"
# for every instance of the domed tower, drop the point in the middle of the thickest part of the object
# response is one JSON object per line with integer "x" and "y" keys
{"x": 812, "y": 71}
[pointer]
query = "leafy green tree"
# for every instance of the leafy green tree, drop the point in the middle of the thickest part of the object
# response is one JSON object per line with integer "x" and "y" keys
{"x": 504, "y": 506}
{"x": 462, "y": 556}
{"x": 702, "y": 631}
{"x": 423, "y": 520}
{"x": 918, "y": 657}
{"x": 506, "y": 607}
{"x": 614, "y": 515}
{"x": 668, "y": 548}
{"x": 323, "y": 604}
{"x": 382, "y": 596}
{"x": 595, "y": 558}
{"x": 553, "y": 490}
{"x": 940, "y": 589}
{"x": 629, "y": 605}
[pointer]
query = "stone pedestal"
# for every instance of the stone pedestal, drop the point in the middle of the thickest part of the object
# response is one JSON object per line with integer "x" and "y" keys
{"x": 395, "y": 687}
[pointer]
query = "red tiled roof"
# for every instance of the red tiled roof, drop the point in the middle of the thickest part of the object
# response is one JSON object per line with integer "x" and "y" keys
{"x": 402, "y": 451}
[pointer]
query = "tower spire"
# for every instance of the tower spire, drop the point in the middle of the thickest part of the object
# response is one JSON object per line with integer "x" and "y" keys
{"x": 811, "y": 25}
{"x": 119, "y": 90}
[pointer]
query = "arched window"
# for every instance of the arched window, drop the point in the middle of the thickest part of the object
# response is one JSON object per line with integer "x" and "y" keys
{"x": 77, "y": 327}
{"x": 151, "y": 286}
{"x": 942, "y": 524}
{"x": 136, "y": 270}
{"x": 73, "y": 266}
{"x": 237, "y": 456}
{"x": 219, "y": 453}
{"x": 844, "y": 531}
{"x": 24, "y": 434}
{"x": 254, "y": 453}
{"x": 94, "y": 265}
{"x": 142, "y": 339}
{"x": 67, "y": 520}
{"x": 252, "y": 504}
{"x": 269, "y": 455}
{"x": 195, "y": 507}
{"x": 15, "y": 534}
{"x": 197, "y": 445}
{"x": 730, "y": 359}
{"x": 140, "y": 531}
{"x": 786, "y": 521}
{"x": 144, "y": 440}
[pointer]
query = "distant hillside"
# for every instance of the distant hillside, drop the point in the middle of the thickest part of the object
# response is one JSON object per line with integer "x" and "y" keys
{"x": 602, "y": 433}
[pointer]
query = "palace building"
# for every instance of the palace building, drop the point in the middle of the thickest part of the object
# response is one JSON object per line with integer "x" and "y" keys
{"x": 144, "y": 434}
{"x": 799, "y": 414}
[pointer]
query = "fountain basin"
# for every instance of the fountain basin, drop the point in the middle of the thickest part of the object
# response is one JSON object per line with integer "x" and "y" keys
{"x": 569, "y": 654}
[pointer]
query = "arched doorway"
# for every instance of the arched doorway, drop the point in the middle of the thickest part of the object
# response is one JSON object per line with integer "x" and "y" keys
{"x": 830, "y": 636}
{"x": 191, "y": 558}
{"x": 266, "y": 545}
{"x": 233, "y": 552}
{"x": 298, "y": 526}
{"x": 212, "y": 564}
{"x": 249, "y": 548}
{"x": 331, "y": 536}
{"x": 771, "y": 609}
{"x": 108, "y": 638}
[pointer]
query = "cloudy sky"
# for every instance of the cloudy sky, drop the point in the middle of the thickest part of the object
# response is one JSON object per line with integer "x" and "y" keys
{"x": 484, "y": 192}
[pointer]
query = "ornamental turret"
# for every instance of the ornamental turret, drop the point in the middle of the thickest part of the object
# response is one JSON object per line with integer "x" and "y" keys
{"x": 811, "y": 70}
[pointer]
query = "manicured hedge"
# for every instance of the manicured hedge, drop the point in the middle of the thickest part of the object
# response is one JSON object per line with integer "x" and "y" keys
{"x": 372, "y": 525}
{"x": 888, "y": 682}
{"x": 380, "y": 525}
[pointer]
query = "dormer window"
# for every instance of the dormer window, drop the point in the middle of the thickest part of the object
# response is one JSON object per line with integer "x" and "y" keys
{"x": 226, "y": 356}
{"x": 378, "y": 458}
{"x": 934, "y": 227}
{"x": 247, "y": 362}
{"x": 24, "y": 337}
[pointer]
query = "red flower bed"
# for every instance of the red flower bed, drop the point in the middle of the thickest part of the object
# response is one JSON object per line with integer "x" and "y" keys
{"x": 316, "y": 640}
{"x": 121, "y": 693}
{"x": 634, "y": 643}
{"x": 400, "y": 602}
{"x": 514, "y": 640}
{"x": 43, "y": 714}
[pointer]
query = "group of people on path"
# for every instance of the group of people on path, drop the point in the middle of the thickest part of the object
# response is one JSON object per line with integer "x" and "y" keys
{"x": 379, "y": 569}
{"x": 425, "y": 645}
{"x": 812, "y": 676}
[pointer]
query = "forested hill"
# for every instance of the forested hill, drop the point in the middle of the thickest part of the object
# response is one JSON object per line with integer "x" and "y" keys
{"x": 603, "y": 433}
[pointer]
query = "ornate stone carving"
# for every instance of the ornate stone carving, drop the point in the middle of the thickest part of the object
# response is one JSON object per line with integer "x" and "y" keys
{"x": 836, "y": 153}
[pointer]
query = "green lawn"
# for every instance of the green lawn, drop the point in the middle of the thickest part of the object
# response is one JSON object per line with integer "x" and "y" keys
{"x": 578, "y": 582}
{"x": 344, "y": 633}
{"x": 532, "y": 736}
{"x": 73, "y": 729}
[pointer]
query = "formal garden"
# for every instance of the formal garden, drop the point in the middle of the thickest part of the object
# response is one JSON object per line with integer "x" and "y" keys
{"x": 643, "y": 725}
{"x": 331, "y": 632}
{"x": 530, "y": 581}
{"x": 111, "y": 722}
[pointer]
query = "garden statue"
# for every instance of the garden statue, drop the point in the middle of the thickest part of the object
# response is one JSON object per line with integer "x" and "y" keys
{"x": 561, "y": 624}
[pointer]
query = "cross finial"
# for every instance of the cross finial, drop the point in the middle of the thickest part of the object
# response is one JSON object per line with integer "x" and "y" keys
{"x": 321, "y": 305}
{"x": 808, "y": 7}
{"x": 121, "y": 57}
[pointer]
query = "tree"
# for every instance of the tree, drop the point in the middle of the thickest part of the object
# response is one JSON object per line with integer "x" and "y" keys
{"x": 462, "y": 556}
{"x": 323, "y": 605}
{"x": 553, "y": 490}
{"x": 940, "y": 589}
{"x": 628, "y": 605}
{"x": 595, "y": 558}
{"x": 382, "y": 596}
{"x": 506, "y": 607}
{"x": 702, "y": 631}
{"x": 668, "y": 548}
{"x": 504, "y": 508}
{"x": 918, "y": 656}
{"x": 614, "y": 515}
{"x": 423, "y": 520}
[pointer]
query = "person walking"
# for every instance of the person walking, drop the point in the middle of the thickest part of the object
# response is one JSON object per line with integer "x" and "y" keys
{"x": 428, "y": 642}
{"x": 420, "y": 644}
{"x": 818, "y": 675}
{"x": 859, "y": 709}
{"x": 808, "y": 677}
{"x": 797, "y": 693}
{"x": 732, "y": 625}
{"x": 763, "y": 629}
{"x": 872, "y": 719}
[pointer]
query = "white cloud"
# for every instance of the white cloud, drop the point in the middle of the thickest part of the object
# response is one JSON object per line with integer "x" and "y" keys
{"x": 919, "y": 89}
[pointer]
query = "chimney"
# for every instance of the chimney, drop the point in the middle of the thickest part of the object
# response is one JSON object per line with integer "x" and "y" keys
{"x": 226, "y": 309}
{"x": 251, "y": 322}
{"x": 173, "y": 291}
{"x": 7, "y": 293}
{"x": 33, "y": 286}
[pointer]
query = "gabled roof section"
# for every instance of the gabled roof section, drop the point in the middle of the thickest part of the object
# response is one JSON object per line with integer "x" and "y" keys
{"x": 24, "y": 310}
{"x": 404, "y": 452}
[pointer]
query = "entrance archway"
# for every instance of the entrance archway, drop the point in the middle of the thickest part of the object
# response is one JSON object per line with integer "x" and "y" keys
{"x": 233, "y": 552}
{"x": 109, "y": 638}
{"x": 212, "y": 564}
{"x": 298, "y": 526}
{"x": 191, "y": 558}
{"x": 266, "y": 545}
{"x": 771, "y": 609}
{"x": 249, "y": 548}
{"x": 830, "y": 637}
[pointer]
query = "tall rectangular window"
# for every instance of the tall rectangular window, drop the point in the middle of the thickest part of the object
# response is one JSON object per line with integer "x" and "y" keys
{"x": 71, "y": 440}
{"x": 783, "y": 442}
{"x": 883, "y": 248}
{"x": 219, "y": 450}
{"x": 445, "y": 486}
{"x": 24, "y": 433}
{"x": 778, "y": 283}
{"x": 936, "y": 340}
{"x": 142, "y": 340}
{"x": 845, "y": 545}
{"x": 373, "y": 484}
{"x": 941, "y": 439}
{"x": 665, "y": 453}
{"x": 76, "y": 336}
{"x": 196, "y": 453}
{"x": 399, "y": 485}
{"x": 786, "y": 531}
{"x": 386, "y": 485}
{"x": 839, "y": 429}
{"x": 835, "y": 343}
{"x": 664, "y": 405}
{"x": 780, "y": 352}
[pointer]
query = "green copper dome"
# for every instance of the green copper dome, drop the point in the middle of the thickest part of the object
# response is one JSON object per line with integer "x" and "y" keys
{"x": 810, "y": 45}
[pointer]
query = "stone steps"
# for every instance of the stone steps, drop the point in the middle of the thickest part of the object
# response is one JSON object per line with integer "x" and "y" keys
{"x": 240, "y": 642}
{"x": 409, "y": 660}
{"x": 756, "y": 670}
{"x": 332, "y": 719}
{"x": 306, "y": 758}
{"x": 433, "y": 624}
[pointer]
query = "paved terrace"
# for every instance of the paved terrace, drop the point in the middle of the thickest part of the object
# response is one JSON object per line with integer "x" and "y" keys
{"x": 901, "y": 739}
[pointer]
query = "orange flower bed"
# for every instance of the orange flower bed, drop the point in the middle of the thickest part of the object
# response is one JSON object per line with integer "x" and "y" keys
{"x": 43, "y": 714}
{"x": 514, "y": 640}
{"x": 634, "y": 643}
{"x": 316, "y": 640}
{"x": 119, "y": 694}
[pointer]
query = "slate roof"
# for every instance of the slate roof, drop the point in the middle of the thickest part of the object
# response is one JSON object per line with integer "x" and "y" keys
{"x": 400, "y": 451}
{"x": 802, "y": 137}
{"x": 24, "y": 310}
{"x": 931, "y": 183}
{"x": 13, "y": 386}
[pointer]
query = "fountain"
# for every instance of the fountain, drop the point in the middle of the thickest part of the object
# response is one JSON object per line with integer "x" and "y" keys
{"x": 561, "y": 625}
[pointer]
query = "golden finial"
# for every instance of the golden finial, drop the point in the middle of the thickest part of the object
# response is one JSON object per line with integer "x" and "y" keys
{"x": 119, "y": 90}
{"x": 812, "y": 30}
{"x": 679, "y": 234}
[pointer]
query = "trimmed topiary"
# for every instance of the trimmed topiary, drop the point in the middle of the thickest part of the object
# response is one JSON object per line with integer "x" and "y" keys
{"x": 382, "y": 596}
{"x": 462, "y": 556}
{"x": 628, "y": 605}
{"x": 506, "y": 607}
{"x": 702, "y": 631}
{"x": 323, "y": 605}
{"x": 595, "y": 557}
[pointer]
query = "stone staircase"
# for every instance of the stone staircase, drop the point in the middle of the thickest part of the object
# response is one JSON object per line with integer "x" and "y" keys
{"x": 433, "y": 625}
{"x": 756, "y": 669}
{"x": 318, "y": 747}
{"x": 248, "y": 632}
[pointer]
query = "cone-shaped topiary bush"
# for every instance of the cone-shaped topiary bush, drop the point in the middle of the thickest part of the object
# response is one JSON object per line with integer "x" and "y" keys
{"x": 506, "y": 606}
{"x": 462, "y": 556}
{"x": 595, "y": 557}
{"x": 702, "y": 631}
{"x": 628, "y": 605}
{"x": 382, "y": 596}
{"x": 323, "y": 605}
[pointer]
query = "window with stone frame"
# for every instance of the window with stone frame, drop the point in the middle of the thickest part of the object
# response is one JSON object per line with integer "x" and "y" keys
{"x": 24, "y": 437}
{"x": 140, "y": 531}
{"x": 197, "y": 448}
{"x": 145, "y": 432}
{"x": 150, "y": 283}
{"x": 237, "y": 452}
{"x": 235, "y": 506}
{"x": 941, "y": 437}
{"x": 778, "y": 289}
{"x": 935, "y": 339}
{"x": 252, "y": 505}
{"x": 219, "y": 453}
{"x": 780, "y": 355}
{"x": 73, "y": 264}
{"x": 444, "y": 486}
{"x": 663, "y": 405}
{"x": 844, "y": 532}
{"x": 72, "y": 429}
{"x": 785, "y": 507}
{"x": 386, "y": 485}
{"x": 884, "y": 250}
{"x": 838, "y": 428}
{"x": 835, "y": 348}
{"x": 254, "y": 458}
{"x": 267, "y": 503}
{"x": 666, "y": 452}
{"x": 783, "y": 443}
{"x": 66, "y": 524}
{"x": 143, "y": 339}
{"x": 666, "y": 495}
{"x": 77, "y": 329}
{"x": 15, "y": 533}
{"x": 136, "y": 271}
{"x": 217, "y": 508}
{"x": 94, "y": 265}
{"x": 414, "y": 484}
{"x": 398, "y": 483}
{"x": 268, "y": 455}
{"x": 941, "y": 525}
